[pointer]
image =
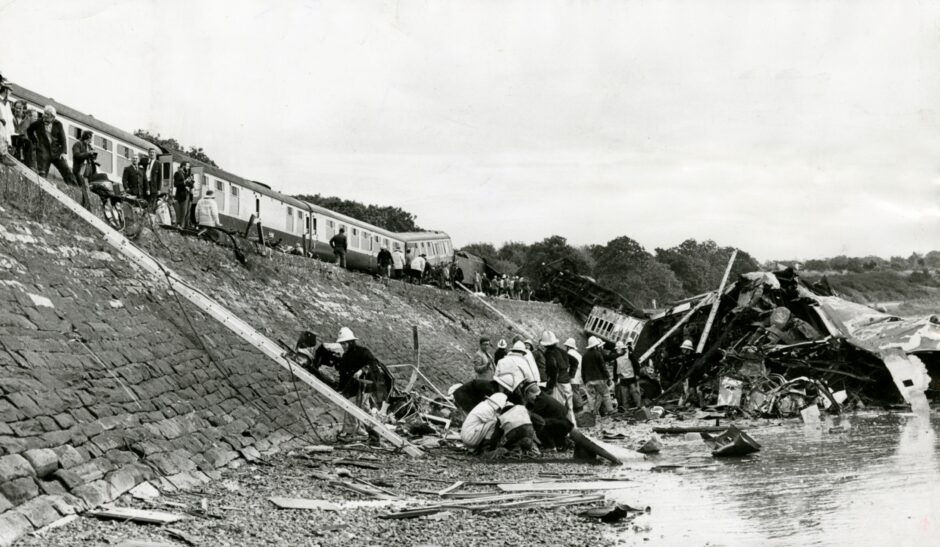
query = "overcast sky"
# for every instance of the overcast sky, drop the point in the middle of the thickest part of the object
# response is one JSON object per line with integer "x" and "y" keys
{"x": 788, "y": 129}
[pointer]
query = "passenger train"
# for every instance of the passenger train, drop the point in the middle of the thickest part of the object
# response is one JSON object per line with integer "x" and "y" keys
{"x": 295, "y": 222}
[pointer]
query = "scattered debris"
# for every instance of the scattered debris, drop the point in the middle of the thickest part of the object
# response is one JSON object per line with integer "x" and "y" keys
{"x": 731, "y": 443}
{"x": 611, "y": 513}
{"x": 585, "y": 448}
{"x": 572, "y": 486}
{"x": 144, "y": 491}
{"x": 134, "y": 515}
{"x": 302, "y": 503}
{"x": 651, "y": 446}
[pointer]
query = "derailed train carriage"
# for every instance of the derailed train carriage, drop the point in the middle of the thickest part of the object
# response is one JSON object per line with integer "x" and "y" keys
{"x": 292, "y": 222}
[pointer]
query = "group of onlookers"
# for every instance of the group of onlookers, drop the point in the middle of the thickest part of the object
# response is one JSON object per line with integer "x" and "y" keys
{"x": 526, "y": 395}
{"x": 514, "y": 287}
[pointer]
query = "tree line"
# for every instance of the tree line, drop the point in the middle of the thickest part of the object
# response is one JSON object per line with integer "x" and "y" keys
{"x": 855, "y": 264}
{"x": 623, "y": 265}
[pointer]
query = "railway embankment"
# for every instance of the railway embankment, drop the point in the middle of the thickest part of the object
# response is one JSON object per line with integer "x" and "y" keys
{"x": 107, "y": 380}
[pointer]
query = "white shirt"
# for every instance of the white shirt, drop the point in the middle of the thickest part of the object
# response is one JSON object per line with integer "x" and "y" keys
{"x": 519, "y": 367}
{"x": 7, "y": 130}
{"x": 480, "y": 424}
{"x": 398, "y": 260}
{"x": 207, "y": 212}
{"x": 418, "y": 263}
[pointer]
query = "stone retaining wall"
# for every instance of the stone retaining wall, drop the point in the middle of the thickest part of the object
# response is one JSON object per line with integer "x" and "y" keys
{"x": 105, "y": 384}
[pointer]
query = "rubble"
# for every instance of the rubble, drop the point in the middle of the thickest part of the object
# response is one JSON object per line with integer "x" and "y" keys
{"x": 777, "y": 346}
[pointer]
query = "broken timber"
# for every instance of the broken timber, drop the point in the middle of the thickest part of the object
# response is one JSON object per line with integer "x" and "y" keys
{"x": 208, "y": 305}
{"x": 649, "y": 353}
{"x": 714, "y": 311}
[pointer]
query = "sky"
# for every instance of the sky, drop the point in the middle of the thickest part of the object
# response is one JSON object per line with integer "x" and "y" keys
{"x": 789, "y": 129}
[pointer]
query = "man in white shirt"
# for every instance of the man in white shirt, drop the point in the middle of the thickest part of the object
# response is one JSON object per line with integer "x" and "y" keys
{"x": 398, "y": 262}
{"x": 207, "y": 211}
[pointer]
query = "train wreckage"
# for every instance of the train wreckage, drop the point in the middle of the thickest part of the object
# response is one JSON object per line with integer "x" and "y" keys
{"x": 771, "y": 345}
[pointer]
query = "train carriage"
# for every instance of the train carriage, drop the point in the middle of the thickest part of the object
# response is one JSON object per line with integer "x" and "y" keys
{"x": 293, "y": 222}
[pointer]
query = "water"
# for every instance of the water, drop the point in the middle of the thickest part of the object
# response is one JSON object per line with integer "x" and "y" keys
{"x": 874, "y": 481}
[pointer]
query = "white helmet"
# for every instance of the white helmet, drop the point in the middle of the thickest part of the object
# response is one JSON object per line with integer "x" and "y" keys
{"x": 519, "y": 347}
{"x": 345, "y": 335}
{"x": 571, "y": 343}
{"x": 687, "y": 344}
{"x": 594, "y": 342}
{"x": 502, "y": 344}
{"x": 548, "y": 338}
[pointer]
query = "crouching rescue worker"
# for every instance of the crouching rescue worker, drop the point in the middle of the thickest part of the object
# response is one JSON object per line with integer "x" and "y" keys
{"x": 480, "y": 425}
{"x": 312, "y": 357}
{"x": 516, "y": 431}
{"x": 362, "y": 379}
{"x": 549, "y": 418}
{"x": 468, "y": 395}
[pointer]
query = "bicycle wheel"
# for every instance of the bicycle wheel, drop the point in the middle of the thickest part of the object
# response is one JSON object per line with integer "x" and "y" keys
{"x": 113, "y": 216}
{"x": 133, "y": 220}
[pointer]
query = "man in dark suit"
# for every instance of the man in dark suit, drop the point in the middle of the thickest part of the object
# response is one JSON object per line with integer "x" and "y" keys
{"x": 51, "y": 144}
{"x": 83, "y": 163}
{"x": 183, "y": 182}
{"x": 151, "y": 170}
{"x": 133, "y": 179}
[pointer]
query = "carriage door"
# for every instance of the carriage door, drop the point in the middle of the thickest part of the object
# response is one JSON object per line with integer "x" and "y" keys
{"x": 166, "y": 173}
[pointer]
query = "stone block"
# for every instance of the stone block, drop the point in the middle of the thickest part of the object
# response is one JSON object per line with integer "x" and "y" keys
{"x": 51, "y": 487}
{"x": 14, "y": 466}
{"x": 220, "y": 456}
{"x": 4, "y": 503}
{"x": 30, "y": 427}
{"x": 12, "y": 527}
{"x": 94, "y": 493}
{"x": 39, "y": 511}
{"x": 122, "y": 480}
{"x": 68, "y": 456}
{"x": 19, "y": 490}
{"x": 9, "y": 412}
{"x": 70, "y": 479}
{"x": 43, "y": 460}
{"x": 67, "y": 504}
{"x": 64, "y": 420}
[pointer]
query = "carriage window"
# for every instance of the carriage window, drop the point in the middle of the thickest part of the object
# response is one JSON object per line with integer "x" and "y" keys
{"x": 105, "y": 155}
{"x": 220, "y": 194}
{"x": 233, "y": 203}
{"x": 290, "y": 220}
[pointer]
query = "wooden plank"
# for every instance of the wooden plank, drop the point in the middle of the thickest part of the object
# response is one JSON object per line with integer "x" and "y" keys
{"x": 567, "y": 486}
{"x": 215, "y": 310}
{"x": 304, "y": 503}
{"x": 586, "y": 443}
{"x": 134, "y": 515}
{"x": 649, "y": 352}
{"x": 450, "y": 488}
{"x": 690, "y": 429}
{"x": 714, "y": 311}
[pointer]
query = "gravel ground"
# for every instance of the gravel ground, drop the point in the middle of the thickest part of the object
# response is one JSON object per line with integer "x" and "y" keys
{"x": 239, "y": 513}
{"x": 247, "y": 518}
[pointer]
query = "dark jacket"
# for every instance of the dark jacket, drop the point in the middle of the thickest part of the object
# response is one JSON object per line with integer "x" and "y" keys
{"x": 539, "y": 357}
{"x": 355, "y": 359}
{"x": 473, "y": 392}
{"x": 548, "y": 408}
{"x": 556, "y": 366}
{"x": 572, "y": 365}
{"x": 338, "y": 242}
{"x": 156, "y": 175}
{"x": 48, "y": 145}
{"x": 81, "y": 152}
{"x": 132, "y": 181}
{"x": 183, "y": 183}
{"x": 385, "y": 258}
{"x": 593, "y": 366}
{"x": 500, "y": 353}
